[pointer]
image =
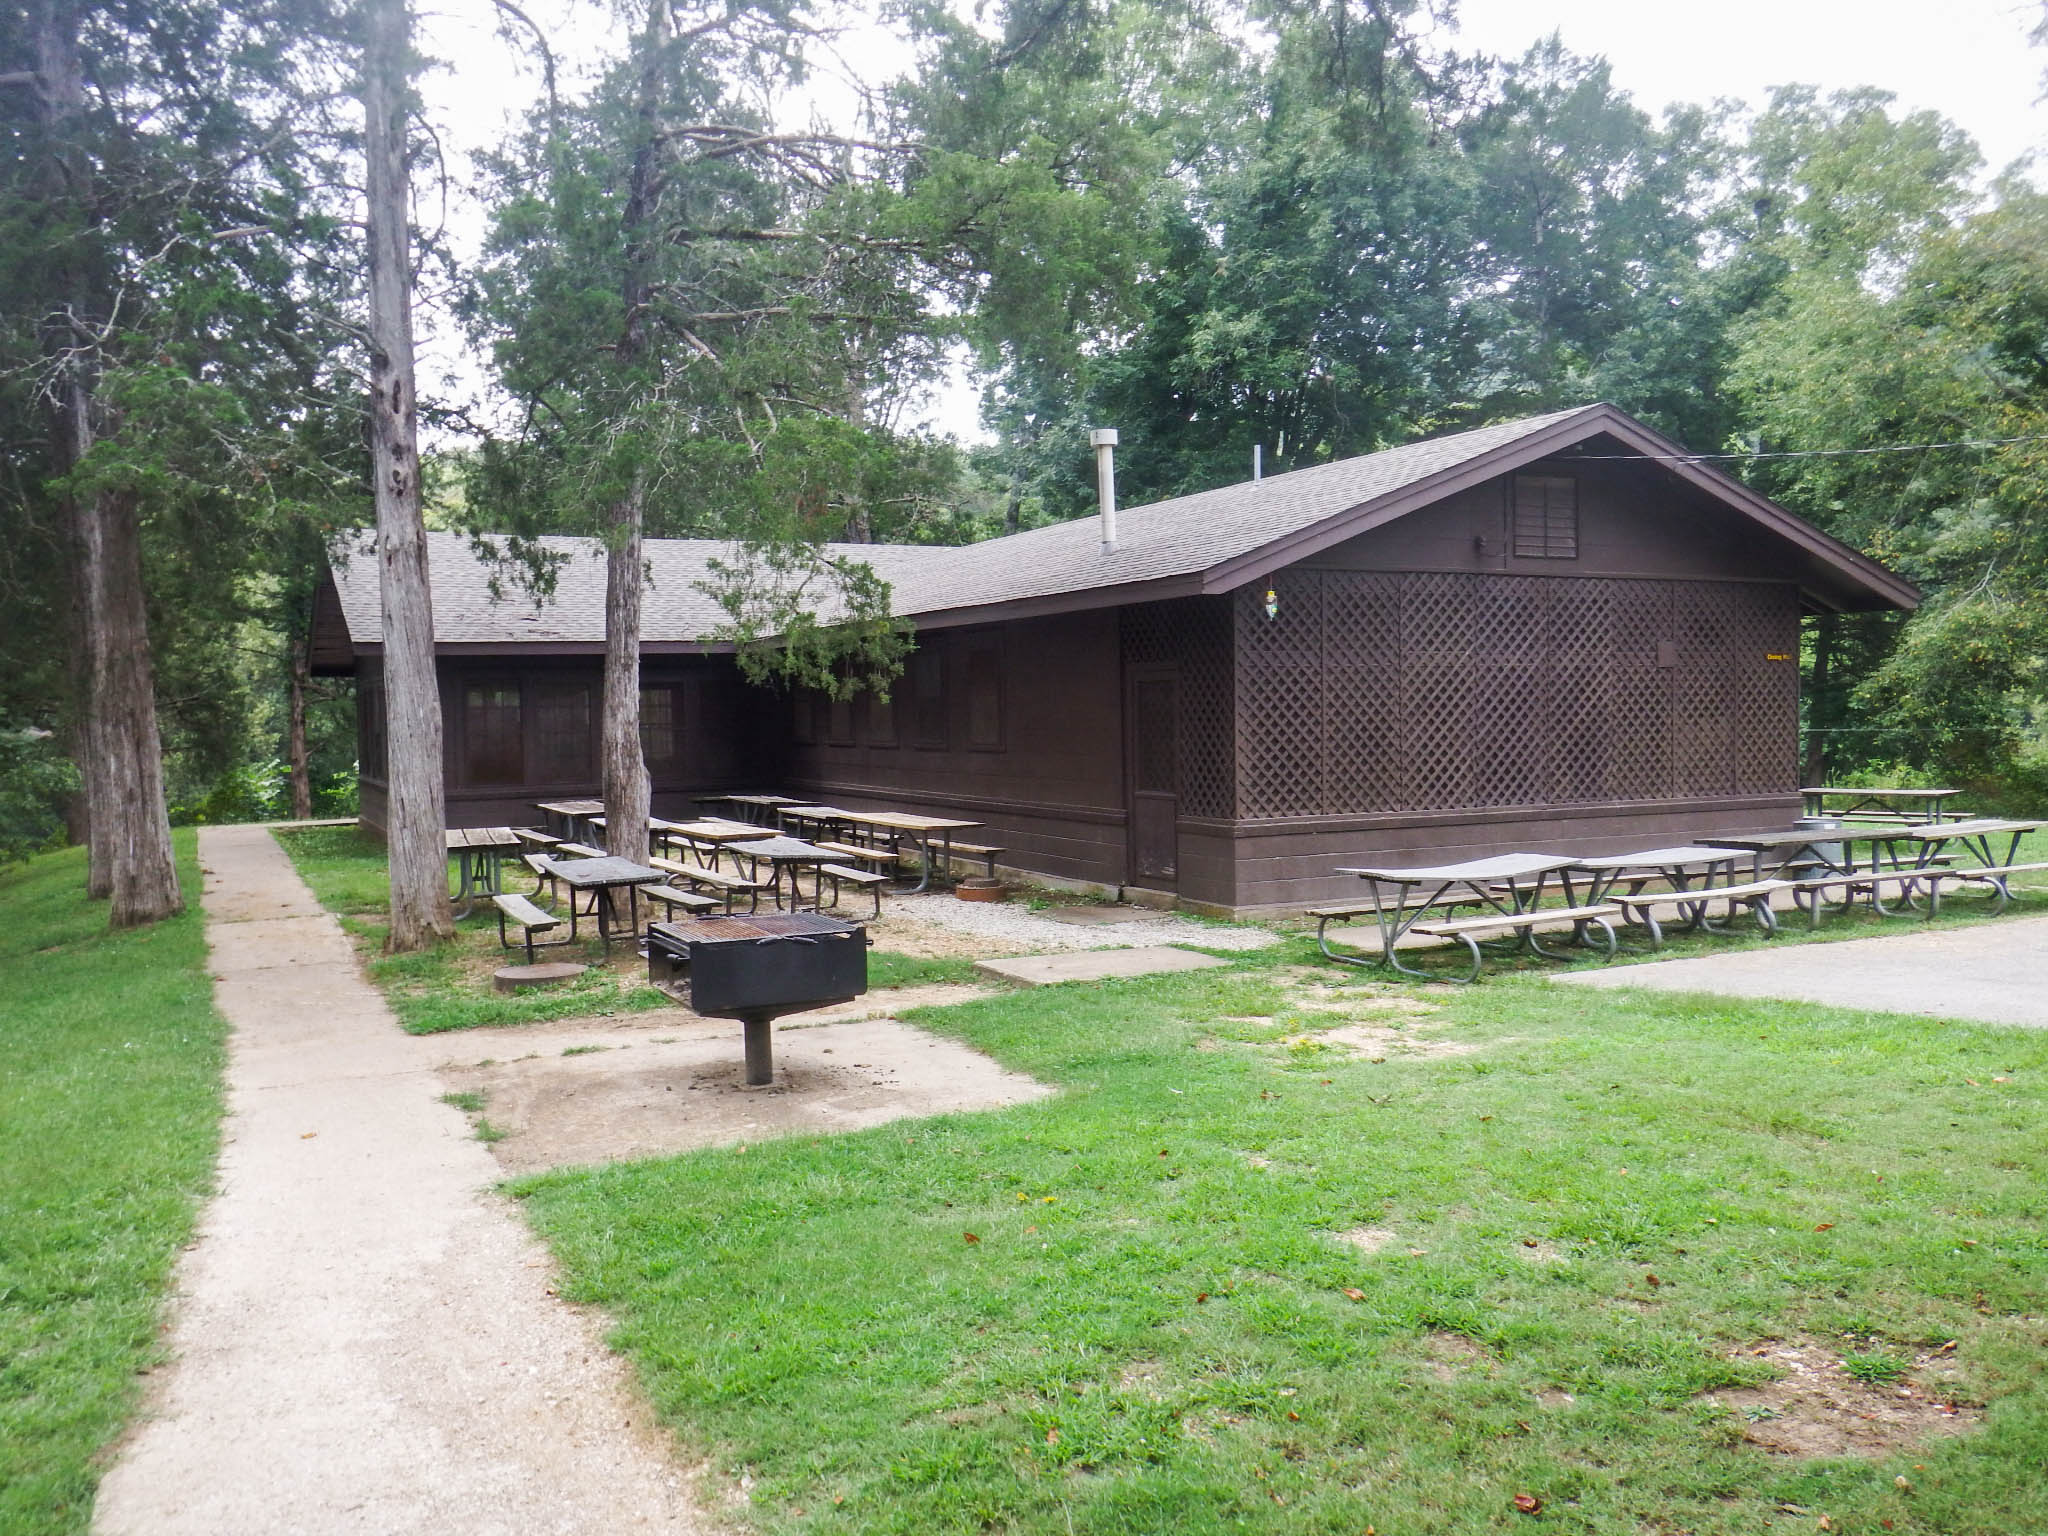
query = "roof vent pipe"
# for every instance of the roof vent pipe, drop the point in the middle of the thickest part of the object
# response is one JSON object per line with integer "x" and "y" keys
{"x": 1258, "y": 461}
{"x": 1103, "y": 440}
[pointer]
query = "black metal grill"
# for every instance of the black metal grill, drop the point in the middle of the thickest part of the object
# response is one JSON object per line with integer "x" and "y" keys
{"x": 757, "y": 968}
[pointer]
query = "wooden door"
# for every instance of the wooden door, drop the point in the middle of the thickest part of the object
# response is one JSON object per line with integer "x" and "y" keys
{"x": 1152, "y": 713}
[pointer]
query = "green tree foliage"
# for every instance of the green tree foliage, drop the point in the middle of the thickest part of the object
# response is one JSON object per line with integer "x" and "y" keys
{"x": 167, "y": 247}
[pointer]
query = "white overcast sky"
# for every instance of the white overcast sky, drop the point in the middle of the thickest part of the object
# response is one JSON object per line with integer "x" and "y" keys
{"x": 1966, "y": 59}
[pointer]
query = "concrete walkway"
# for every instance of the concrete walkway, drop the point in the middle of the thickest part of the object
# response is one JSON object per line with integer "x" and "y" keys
{"x": 1994, "y": 972}
{"x": 363, "y": 1337}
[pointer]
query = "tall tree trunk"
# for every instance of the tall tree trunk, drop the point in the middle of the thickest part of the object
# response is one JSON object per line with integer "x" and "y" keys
{"x": 145, "y": 873}
{"x": 302, "y": 781}
{"x": 1819, "y": 704}
{"x": 417, "y": 805}
{"x": 621, "y": 764}
{"x": 120, "y": 756}
{"x": 624, "y": 764}
{"x": 94, "y": 794}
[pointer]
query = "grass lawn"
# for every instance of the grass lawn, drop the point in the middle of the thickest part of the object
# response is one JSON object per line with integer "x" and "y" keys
{"x": 1126, "y": 1308}
{"x": 1576, "y": 1218}
{"x": 109, "y": 1113}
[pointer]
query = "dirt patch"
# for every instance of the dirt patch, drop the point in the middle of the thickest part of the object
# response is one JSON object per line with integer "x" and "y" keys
{"x": 1819, "y": 1408}
{"x": 928, "y": 941}
{"x": 1141, "y": 1379}
{"x": 1452, "y": 1355}
{"x": 679, "y": 1084}
{"x": 1367, "y": 1239}
{"x": 1378, "y": 1042}
{"x": 1535, "y": 1250}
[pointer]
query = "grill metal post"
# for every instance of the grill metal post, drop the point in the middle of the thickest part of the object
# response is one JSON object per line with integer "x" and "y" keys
{"x": 760, "y": 1048}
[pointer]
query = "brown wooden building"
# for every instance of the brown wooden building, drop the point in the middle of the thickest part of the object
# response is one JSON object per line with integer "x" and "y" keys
{"x": 1556, "y": 633}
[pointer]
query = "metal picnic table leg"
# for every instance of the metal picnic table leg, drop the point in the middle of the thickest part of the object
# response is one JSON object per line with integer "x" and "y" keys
{"x": 1403, "y": 920}
{"x": 466, "y": 883}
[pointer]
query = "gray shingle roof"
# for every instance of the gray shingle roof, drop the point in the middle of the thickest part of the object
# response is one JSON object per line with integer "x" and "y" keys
{"x": 1183, "y": 536}
{"x": 673, "y": 608}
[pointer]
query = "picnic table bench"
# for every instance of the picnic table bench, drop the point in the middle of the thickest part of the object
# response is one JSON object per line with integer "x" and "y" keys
{"x": 729, "y": 888}
{"x": 1510, "y": 885}
{"x": 529, "y": 919}
{"x": 1468, "y": 930}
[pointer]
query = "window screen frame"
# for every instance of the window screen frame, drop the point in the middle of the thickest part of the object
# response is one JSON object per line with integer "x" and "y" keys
{"x": 549, "y": 763}
{"x": 472, "y": 739}
{"x": 671, "y": 765}
{"x": 878, "y": 719}
{"x": 928, "y": 700}
{"x": 984, "y": 689}
{"x": 1543, "y": 517}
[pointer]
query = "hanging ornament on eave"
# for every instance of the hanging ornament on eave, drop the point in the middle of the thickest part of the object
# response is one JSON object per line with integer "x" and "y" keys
{"x": 1272, "y": 604}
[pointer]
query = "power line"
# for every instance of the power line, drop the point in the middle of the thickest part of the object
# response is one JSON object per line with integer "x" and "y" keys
{"x": 1816, "y": 453}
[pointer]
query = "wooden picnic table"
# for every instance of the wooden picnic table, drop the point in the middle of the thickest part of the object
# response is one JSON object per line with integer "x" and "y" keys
{"x": 825, "y": 816}
{"x": 716, "y": 831}
{"x": 784, "y": 853}
{"x": 921, "y": 830}
{"x": 565, "y": 817}
{"x": 479, "y": 853}
{"x": 752, "y": 805}
{"x": 1895, "y": 803}
{"x": 603, "y": 876}
{"x": 1508, "y": 883}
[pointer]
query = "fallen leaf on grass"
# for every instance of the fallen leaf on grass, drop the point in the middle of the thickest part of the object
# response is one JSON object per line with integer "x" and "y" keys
{"x": 1354, "y": 1293}
{"x": 308, "y": 1135}
{"x": 1528, "y": 1504}
{"x": 970, "y": 1237}
{"x": 1052, "y": 1437}
{"x": 1823, "y": 1226}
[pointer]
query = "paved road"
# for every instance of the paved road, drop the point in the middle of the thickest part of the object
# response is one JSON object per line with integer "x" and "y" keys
{"x": 1995, "y": 972}
{"x": 363, "y": 1338}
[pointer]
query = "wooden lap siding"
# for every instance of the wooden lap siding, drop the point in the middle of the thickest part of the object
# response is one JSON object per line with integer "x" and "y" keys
{"x": 1372, "y": 693}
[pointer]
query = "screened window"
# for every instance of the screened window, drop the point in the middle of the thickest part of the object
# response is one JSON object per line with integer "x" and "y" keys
{"x": 881, "y": 721}
{"x": 928, "y": 698}
{"x": 491, "y": 734}
{"x": 370, "y": 700}
{"x": 803, "y": 727}
{"x": 658, "y": 722}
{"x": 984, "y": 698}
{"x": 1546, "y": 517}
{"x": 564, "y": 733}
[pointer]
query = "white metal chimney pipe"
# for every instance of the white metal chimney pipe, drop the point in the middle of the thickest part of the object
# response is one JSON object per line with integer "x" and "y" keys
{"x": 1103, "y": 440}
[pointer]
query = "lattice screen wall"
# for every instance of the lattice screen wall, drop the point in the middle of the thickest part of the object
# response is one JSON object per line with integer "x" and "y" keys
{"x": 1194, "y": 635}
{"x": 1373, "y": 692}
